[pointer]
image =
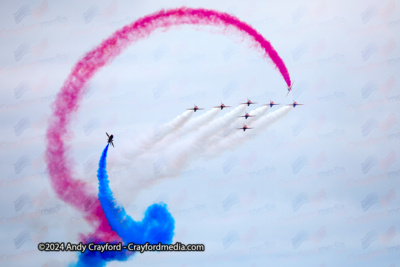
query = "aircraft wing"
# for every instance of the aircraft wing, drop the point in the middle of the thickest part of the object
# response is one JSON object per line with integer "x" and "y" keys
{"x": 112, "y": 144}
{"x": 107, "y": 134}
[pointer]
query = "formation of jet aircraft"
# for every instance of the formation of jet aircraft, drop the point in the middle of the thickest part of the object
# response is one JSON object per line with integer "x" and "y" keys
{"x": 222, "y": 106}
{"x": 248, "y": 103}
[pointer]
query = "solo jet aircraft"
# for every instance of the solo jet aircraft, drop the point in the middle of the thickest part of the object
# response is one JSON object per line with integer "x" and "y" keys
{"x": 110, "y": 139}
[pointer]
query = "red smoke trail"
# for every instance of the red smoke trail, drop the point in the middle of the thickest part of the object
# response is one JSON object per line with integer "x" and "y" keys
{"x": 76, "y": 192}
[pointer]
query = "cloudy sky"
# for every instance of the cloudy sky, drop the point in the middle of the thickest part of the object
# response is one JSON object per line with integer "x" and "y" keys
{"x": 319, "y": 187}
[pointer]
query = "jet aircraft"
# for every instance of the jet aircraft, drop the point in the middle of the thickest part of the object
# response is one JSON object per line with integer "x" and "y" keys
{"x": 195, "y": 108}
{"x": 247, "y": 115}
{"x": 110, "y": 139}
{"x": 248, "y": 103}
{"x": 294, "y": 104}
{"x": 222, "y": 106}
{"x": 244, "y": 128}
{"x": 289, "y": 88}
{"x": 271, "y": 104}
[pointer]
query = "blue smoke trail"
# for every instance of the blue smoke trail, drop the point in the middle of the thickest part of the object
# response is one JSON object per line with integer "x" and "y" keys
{"x": 157, "y": 225}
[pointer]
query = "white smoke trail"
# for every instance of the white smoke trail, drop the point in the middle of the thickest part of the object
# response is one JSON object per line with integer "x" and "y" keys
{"x": 170, "y": 156}
{"x": 195, "y": 124}
{"x": 271, "y": 118}
{"x": 200, "y": 121}
{"x": 165, "y": 130}
{"x": 221, "y": 123}
{"x": 233, "y": 116}
{"x": 235, "y": 138}
{"x": 227, "y": 129}
{"x": 170, "y": 132}
{"x": 208, "y": 140}
{"x": 258, "y": 112}
{"x": 217, "y": 135}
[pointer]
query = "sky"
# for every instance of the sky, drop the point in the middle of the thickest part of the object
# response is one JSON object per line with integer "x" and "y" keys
{"x": 319, "y": 187}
